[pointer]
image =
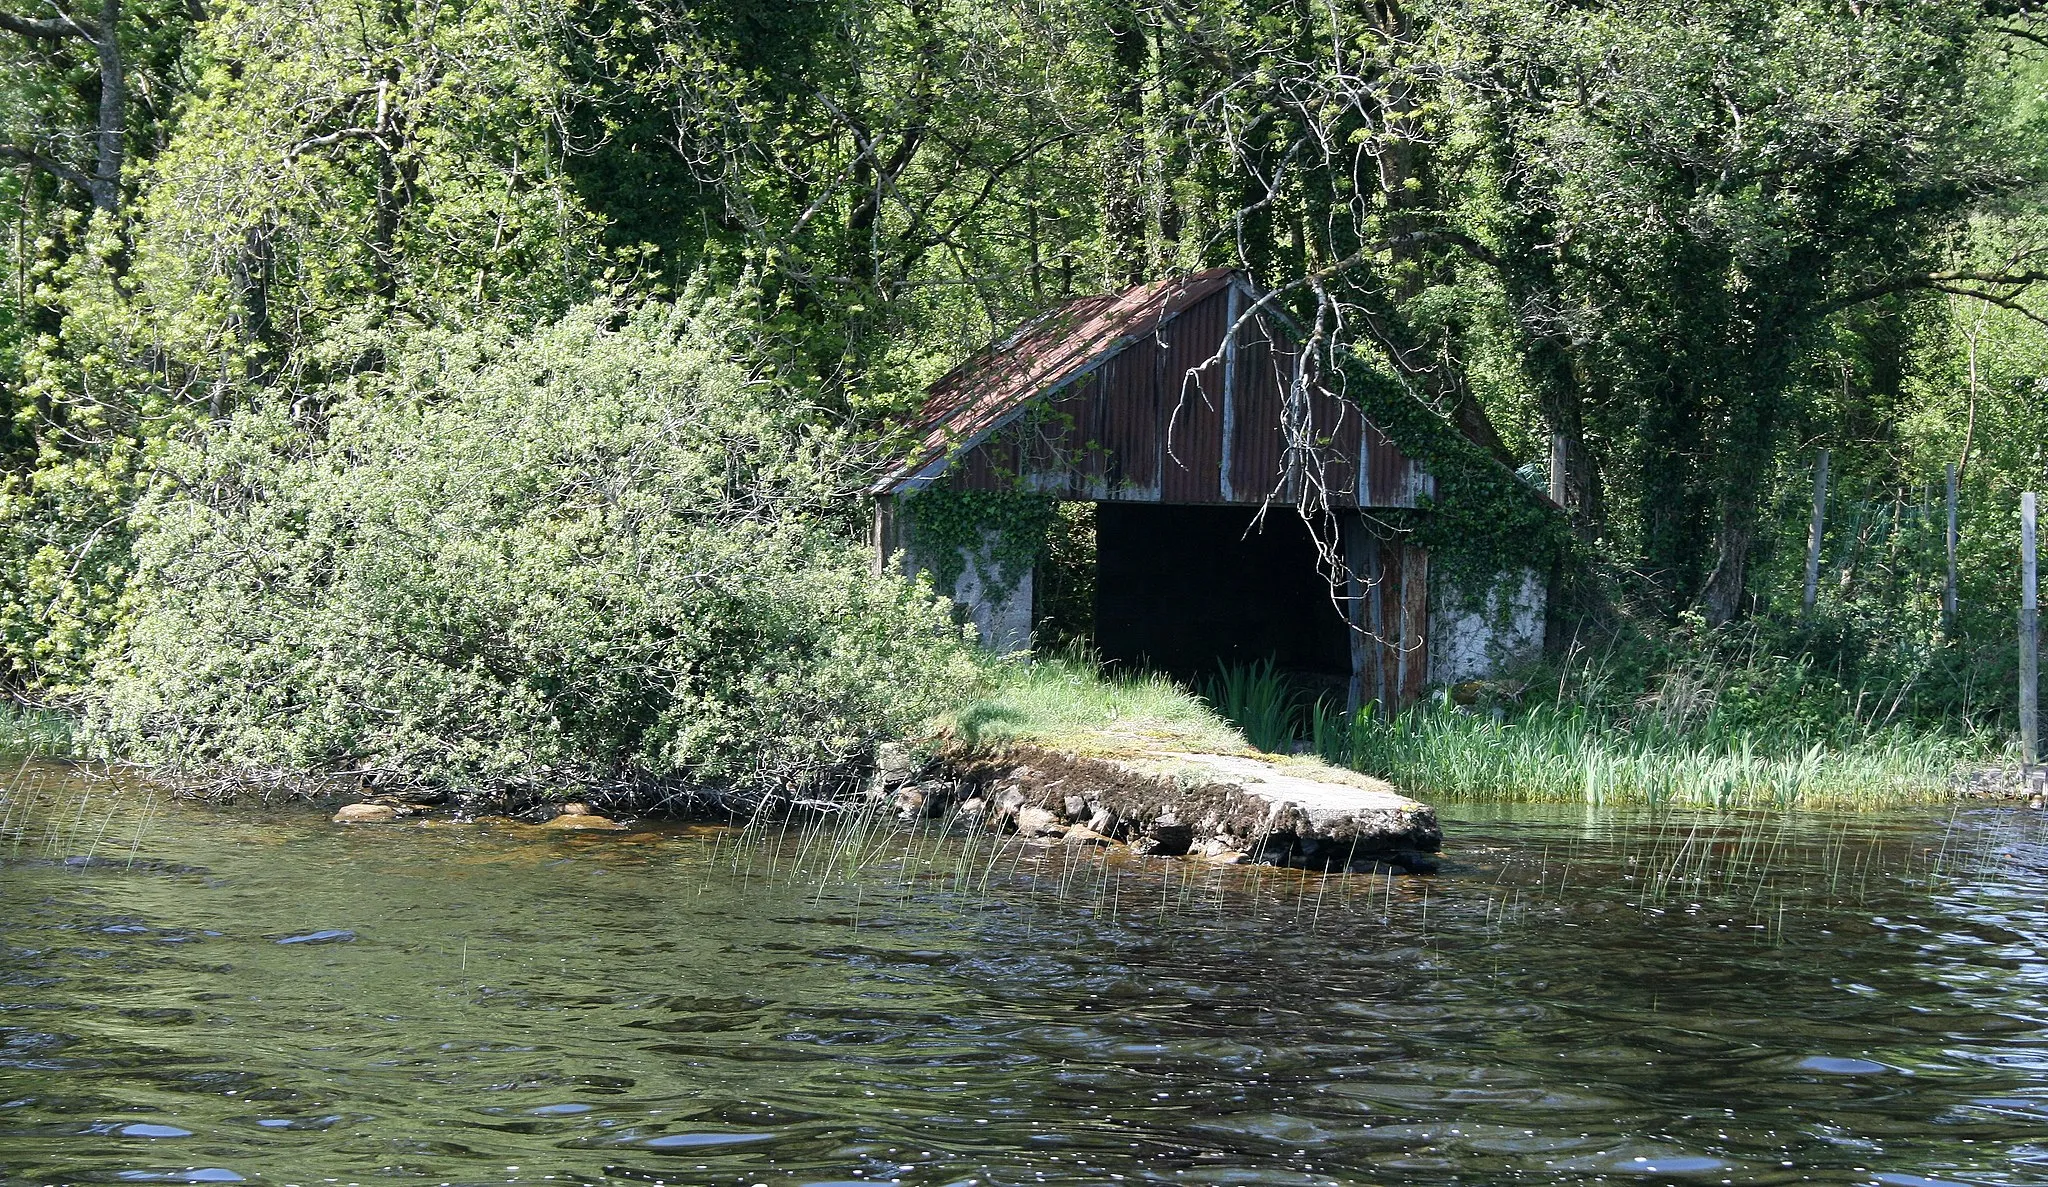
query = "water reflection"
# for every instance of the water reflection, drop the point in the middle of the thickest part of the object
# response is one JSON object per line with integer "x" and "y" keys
{"x": 192, "y": 996}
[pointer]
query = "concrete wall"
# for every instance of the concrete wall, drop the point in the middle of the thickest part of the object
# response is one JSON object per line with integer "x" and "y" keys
{"x": 1475, "y": 640}
{"x": 1002, "y": 622}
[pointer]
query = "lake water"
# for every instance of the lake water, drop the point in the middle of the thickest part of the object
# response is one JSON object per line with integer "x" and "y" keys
{"x": 189, "y": 995}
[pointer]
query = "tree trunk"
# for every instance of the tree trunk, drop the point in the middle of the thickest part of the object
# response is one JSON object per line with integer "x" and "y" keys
{"x": 1720, "y": 600}
{"x": 112, "y": 139}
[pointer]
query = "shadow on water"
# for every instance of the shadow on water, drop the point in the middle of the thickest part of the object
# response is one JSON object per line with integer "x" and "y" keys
{"x": 190, "y": 996}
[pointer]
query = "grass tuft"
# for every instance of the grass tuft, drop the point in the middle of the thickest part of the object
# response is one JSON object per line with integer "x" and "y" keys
{"x": 1260, "y": 700}
{"x": 1067, "y": 701}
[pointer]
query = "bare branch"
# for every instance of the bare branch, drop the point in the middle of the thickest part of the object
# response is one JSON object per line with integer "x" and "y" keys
{"x": 336, "y": 137}
{"x": 53, "y": 28}
{"x": 1958, "y": 283}
{"x": 56, "y": 169}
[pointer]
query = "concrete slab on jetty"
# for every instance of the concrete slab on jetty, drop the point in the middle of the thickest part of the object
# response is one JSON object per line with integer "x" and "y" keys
{"x": 1275, "y": 810}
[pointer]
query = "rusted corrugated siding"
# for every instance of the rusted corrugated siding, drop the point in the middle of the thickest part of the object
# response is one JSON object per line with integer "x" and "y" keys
{"x": 1392, "y": 479}
{"x": 1191, "y": 390}
{"x": 1154, "y": 419}
{"x": 1256, "y": 470}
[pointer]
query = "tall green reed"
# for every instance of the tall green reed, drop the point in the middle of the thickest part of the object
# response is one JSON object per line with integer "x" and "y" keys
{"x": 1260, "y": 700}
{"x": 1560, "y": 753}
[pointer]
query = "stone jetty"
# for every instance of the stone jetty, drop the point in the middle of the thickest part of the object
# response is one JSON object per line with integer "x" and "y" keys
{"x": 1274, "y": 810}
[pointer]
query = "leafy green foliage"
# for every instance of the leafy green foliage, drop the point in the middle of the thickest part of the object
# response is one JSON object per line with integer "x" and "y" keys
{"x": 1691, "y": 244}
{"x": 1482, "y": 519}
{"x": 590, "y": 555}
{"x": 1008, "y": 527}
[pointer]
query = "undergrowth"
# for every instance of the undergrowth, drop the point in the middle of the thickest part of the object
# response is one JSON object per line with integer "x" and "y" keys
{"x": 1738, "y": 726}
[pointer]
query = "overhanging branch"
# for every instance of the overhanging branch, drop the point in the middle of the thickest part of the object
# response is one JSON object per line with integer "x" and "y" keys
{"x": 48, "y": 28}
{"x": 56, "y": 169}
{"x": 1999, "y": 288}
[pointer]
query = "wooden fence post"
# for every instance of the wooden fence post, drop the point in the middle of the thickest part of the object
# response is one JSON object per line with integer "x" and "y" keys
{"x": 1820, "y": 507}
{"x": 1948, "y": 599}
{"x": 2030, "y": 639}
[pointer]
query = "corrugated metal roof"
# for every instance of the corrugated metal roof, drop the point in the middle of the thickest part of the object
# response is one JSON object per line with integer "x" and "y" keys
{"x": 1048, "y": 352}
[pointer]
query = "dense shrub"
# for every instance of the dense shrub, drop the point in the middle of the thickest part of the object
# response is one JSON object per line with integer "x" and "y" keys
{"x": 596, "y": 554}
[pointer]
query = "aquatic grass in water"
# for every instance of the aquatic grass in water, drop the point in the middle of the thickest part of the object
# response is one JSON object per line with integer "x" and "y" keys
{"x": 848, "y": 999}
{"x": 1438, "y": 748}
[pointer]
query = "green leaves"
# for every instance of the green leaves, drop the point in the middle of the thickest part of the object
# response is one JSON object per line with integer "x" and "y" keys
{"x": 592, "y": 555}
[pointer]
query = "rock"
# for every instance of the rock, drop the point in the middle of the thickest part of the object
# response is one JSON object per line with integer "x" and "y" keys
{"x": 575, "y": 809}
{"x": 1011, "y": 800}
{"x": 1165, "y": 839}
{"x": 1037, "y": 822}
{"x": 1081, "y": 834}
{"x": 583, "y": 820}
{"x": 1102, "y": 820}
{"x": 1416, "y": 862}
{"x": 973, "y": 808}
{"x": 368, "y": 814}
{"x": 893, "y": 764}
{"x": 911, "y": 803}
{"x": 1076, "y": 807}
{"x": 1226, "y": 857}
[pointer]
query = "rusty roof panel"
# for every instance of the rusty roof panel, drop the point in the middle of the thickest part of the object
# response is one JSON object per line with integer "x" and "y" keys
{"x": 1133, "y": 409}
{"x": 1047, "y": 352}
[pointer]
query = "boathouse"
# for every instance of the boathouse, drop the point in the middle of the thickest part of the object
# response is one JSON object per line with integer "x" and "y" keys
{"x": 1174, "y": 408}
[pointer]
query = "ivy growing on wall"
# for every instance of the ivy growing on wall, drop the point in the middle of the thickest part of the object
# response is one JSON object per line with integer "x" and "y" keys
{"x": 947, "y": 524}
{"x": 1483, "y": 519}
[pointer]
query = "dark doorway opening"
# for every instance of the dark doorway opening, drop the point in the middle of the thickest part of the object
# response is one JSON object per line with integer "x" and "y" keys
{"x": 1181, "y": 589}
{"x": 1063, "y": 588}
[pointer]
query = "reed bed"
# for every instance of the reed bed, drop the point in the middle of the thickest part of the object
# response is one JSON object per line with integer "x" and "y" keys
{"x": 1571, "y": 752}
{"x": 1548, "y": 754}
{"x": 27, "y": 732}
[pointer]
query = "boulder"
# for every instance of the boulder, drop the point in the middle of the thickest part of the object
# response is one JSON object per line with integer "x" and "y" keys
{"x": 911, "y": 803}
{"x": 893, "y": 764}
{"x": 584, "y": 820}
{"x": 1167, "y": 838}
{"x": 368, "y": 814}
{"x": 1037, "y": 822}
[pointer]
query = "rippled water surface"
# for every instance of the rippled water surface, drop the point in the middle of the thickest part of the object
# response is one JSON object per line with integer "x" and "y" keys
{"x": 190, "y": 995}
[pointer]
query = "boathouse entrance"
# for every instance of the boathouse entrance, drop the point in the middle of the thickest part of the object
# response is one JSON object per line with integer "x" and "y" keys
{"x": 1168, "y": 407}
